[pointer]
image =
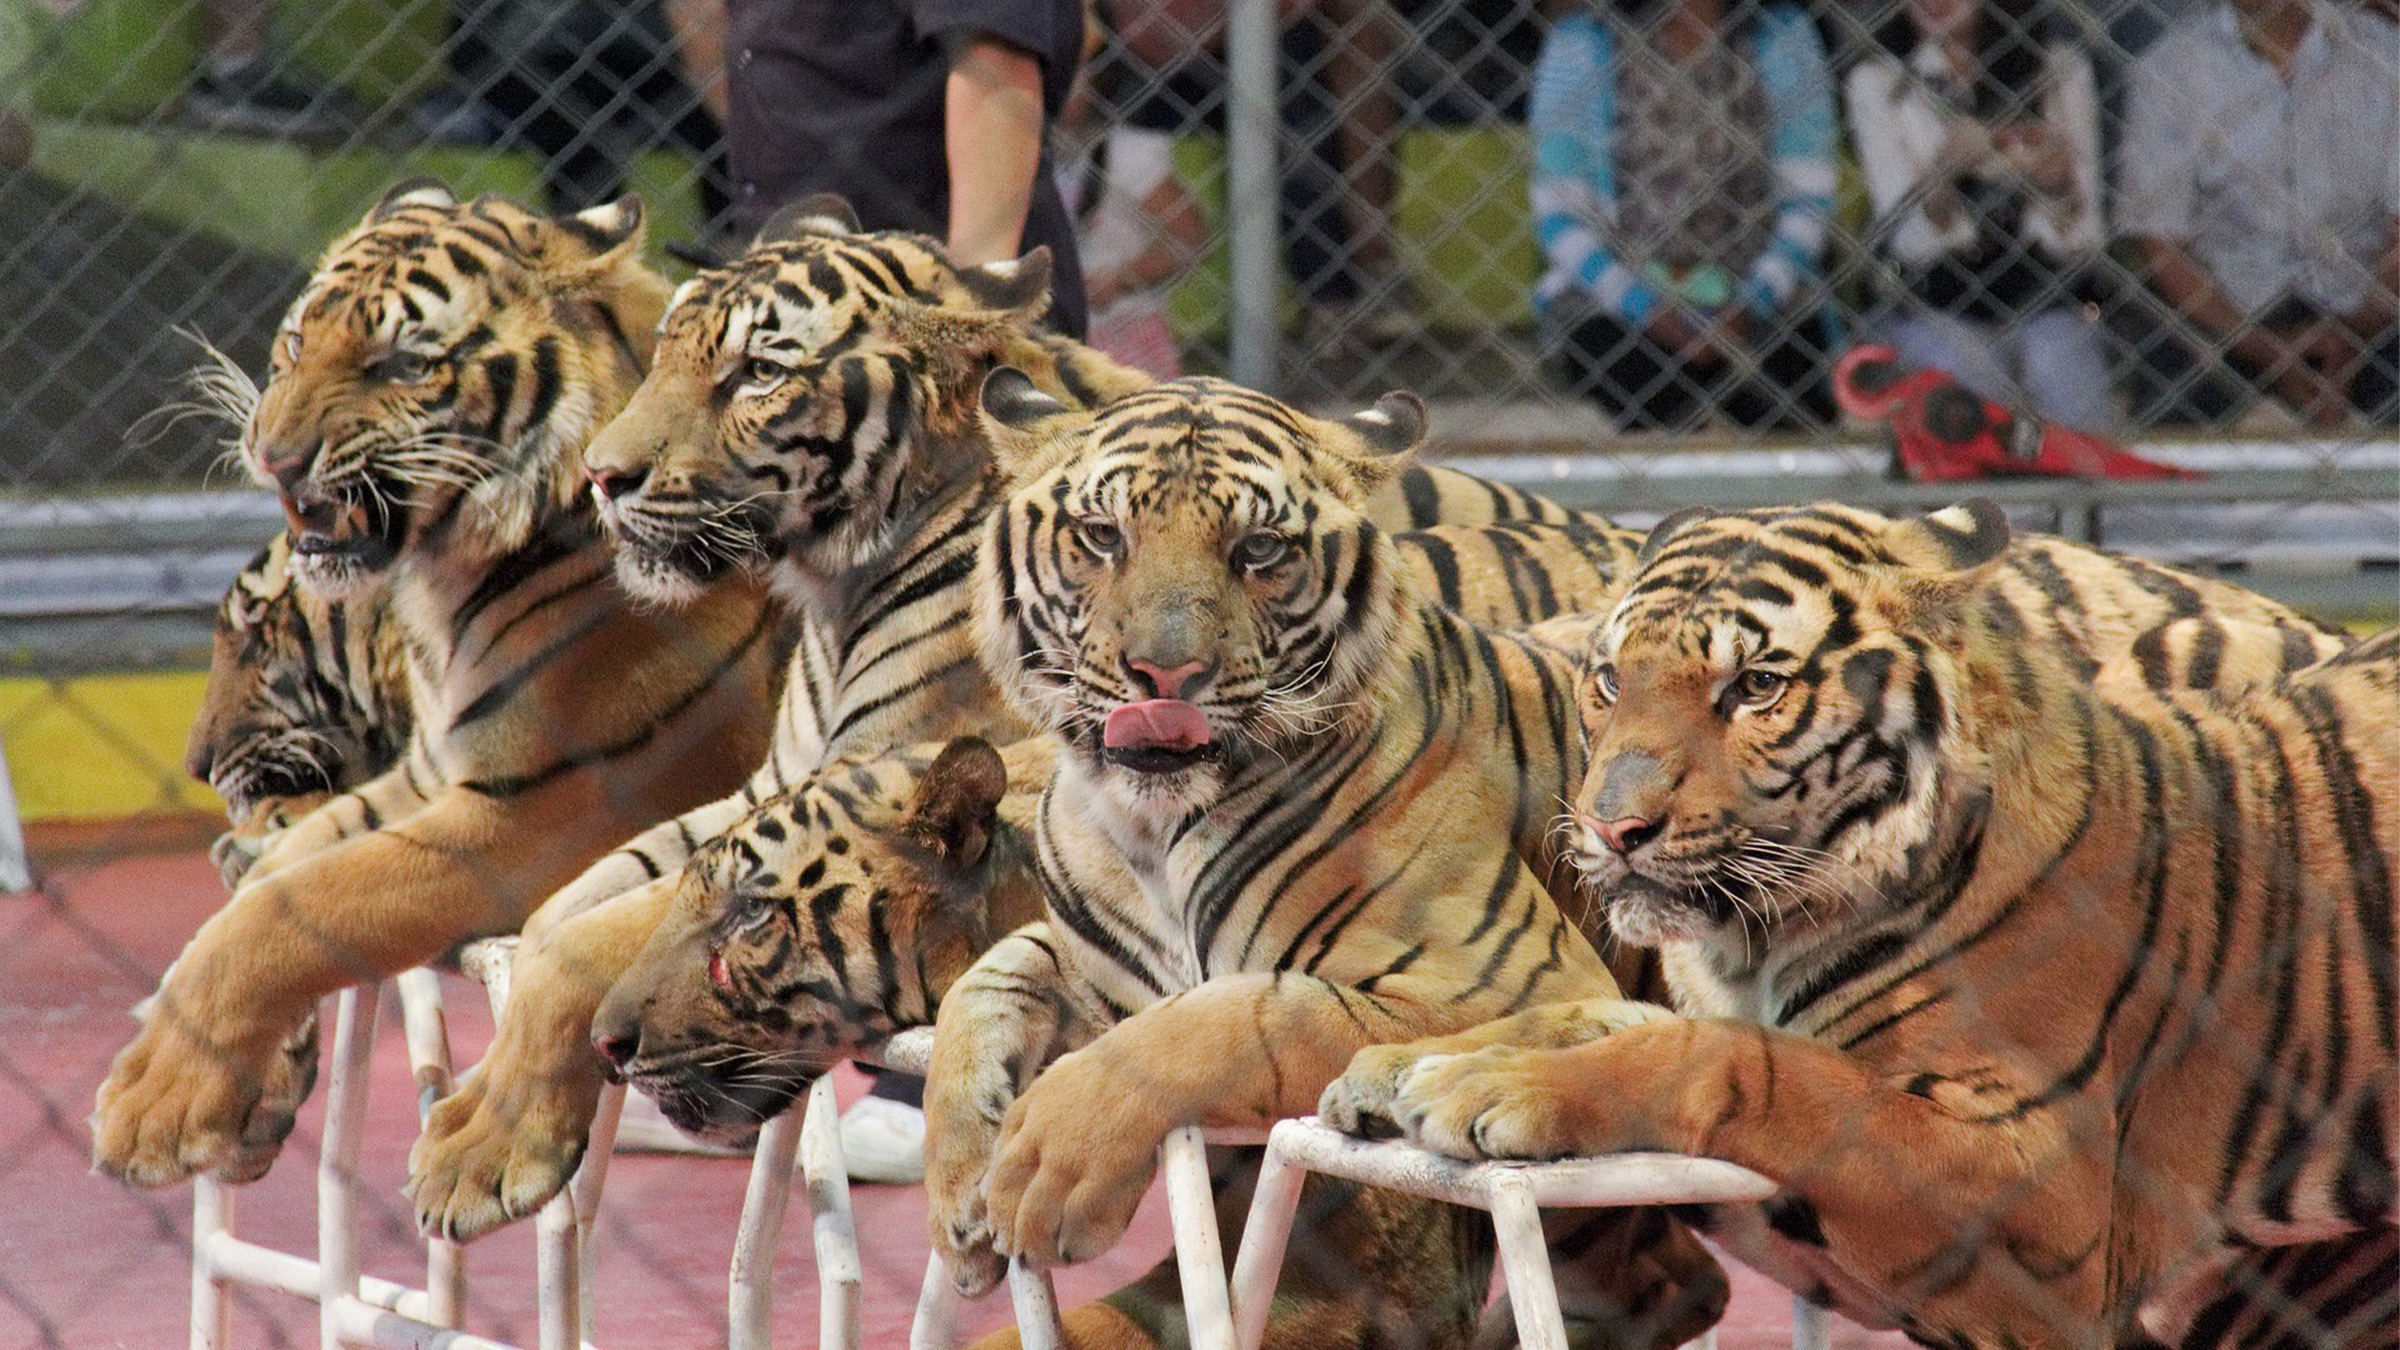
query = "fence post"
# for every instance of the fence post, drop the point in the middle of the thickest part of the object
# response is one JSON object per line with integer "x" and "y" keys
{"x": 1250, "y": 192}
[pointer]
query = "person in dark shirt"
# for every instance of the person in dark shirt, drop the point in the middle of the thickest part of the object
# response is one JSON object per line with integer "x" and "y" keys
{"x": 928, "y": 115}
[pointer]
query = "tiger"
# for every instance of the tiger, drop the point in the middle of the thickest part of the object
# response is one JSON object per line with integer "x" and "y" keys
{"x": 2057, "y": 996}
{"x": 839, "y": 454}
{"x": 1297, "y": 808}
{"x": 430, "y": 396}
{"x": 304, "y": 697}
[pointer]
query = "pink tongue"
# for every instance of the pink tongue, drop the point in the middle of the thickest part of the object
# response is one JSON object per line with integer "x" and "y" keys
{"x": 1160, "y": 724}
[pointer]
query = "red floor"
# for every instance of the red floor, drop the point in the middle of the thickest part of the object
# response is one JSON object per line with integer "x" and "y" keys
{"x": 85, "y": 1262}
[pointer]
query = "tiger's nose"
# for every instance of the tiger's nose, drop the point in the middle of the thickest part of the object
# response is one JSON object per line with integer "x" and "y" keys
{"x": 1627, "y": 833}
{"x": 1168, "y": 682}
{"x": 611, "y": 484}
{"x": 617, "y": 1045}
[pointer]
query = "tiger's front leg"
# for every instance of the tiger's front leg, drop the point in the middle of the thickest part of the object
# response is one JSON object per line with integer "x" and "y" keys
{"x": 2007, "y": 1210}
{"x": 512, "y": 1134}
{"x": 1011, "y": 1013}
{"x": 395, "y": 794}
{"x": 188, "y": 1094}
{"x": 1359, "y": 1102}
{"x": 1077, "y": 1150}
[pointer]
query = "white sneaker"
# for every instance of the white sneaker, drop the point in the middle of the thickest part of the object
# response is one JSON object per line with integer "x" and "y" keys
{"x": 884, "y": 1141}
{"x": 643, "y": 1128}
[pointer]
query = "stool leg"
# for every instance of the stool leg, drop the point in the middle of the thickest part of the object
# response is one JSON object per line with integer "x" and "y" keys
{"x": 826, "y": 1176}
{"x": 599, "y": 1146}
{"x": 752, "y": 1306}
{"x": 1812, "y": 1326}
{"x": 212, "y": 1293}
{"x": 337, "y": 1165}
{"x": 428, "y": 1034}
{"x": 1199, "y": 1256}
{"x": 936, "y": 1325}
{"x": 1265, "y": 1233}
{"x": 1036, "y": 1301}
{"x": 558, "y": 1275}
{"x": 1525, "y": 1261}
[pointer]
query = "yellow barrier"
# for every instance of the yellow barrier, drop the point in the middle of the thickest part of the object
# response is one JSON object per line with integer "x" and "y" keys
{"x": 99, "y": 747}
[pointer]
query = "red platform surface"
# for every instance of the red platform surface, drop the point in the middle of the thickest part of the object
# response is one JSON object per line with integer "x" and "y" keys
{"x": 85, "y": 1262}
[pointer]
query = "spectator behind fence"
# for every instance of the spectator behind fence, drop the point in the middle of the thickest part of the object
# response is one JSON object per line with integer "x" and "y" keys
{"x": 1682, "y": 186}
{"x": 1137, "y": 225}
{"x": 928, "y": 115}
{"x": 243, "y": 87}
{"x": 2261, "y": 193}
{"x": 1978, "y": 129}
{"x": 1339, "y": 156}
{"x": 588, "y": 85}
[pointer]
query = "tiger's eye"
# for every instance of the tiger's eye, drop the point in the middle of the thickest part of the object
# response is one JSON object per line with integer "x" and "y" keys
{"x": 763, "y": 371}
{"x": 1605, "y": 679}
{"x": 1261, "y": 550}
{"x": 1100, "y": 536}
{"x": 403, "y": 367}
{"x": 1760, "y": 687}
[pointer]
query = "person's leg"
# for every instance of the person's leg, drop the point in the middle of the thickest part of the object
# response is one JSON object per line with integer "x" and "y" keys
{"x": 2172, "y": 378}
{"x": 1639, "y": 385}
{"x": 2063, "y": 368}
{"x": 1968, "y": 351}
{"x": 1792, "y": 389}
{"x": 2375, "y": 389}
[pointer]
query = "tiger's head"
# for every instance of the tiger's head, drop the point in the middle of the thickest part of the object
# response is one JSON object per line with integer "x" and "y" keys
{"x": 434, "y": 385}
{"x": 305, "y": 696}
{"x": 793, "y": 397}
{"x": 1186, "y": 579}
{"x": 829, "y": 918}
{"x": 1774, "y": 712}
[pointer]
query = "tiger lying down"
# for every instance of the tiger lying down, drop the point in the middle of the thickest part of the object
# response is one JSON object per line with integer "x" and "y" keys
{"x": 2060, "y": 1002}
{"x": 305, "y": 696}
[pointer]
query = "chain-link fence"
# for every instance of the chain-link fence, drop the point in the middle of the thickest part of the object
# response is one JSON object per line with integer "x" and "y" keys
{"x": 1622, "y": 248}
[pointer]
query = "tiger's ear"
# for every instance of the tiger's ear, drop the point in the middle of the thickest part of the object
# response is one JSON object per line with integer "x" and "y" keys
{"x": 1020, "y": 286}
{"x": 1394, "y": 426}
{"x": 817, "y": 213}
{"x": 1389, "y": 433}
{"x": 1019, "y": 418}
{"x": 1665, "y": 530}
{"x": 417, "y": 191}
{"x": 610, "y": 226}
{"x": 1957, "y": 538}
{"x": 589, "y": 244}
{"x": 956, "y": 806}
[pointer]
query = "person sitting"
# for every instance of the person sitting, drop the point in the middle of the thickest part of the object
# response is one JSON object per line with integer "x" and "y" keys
{"x": 1682, "y": 185}
{"x": 1978, "y": 130}
{"x": 2261, "y": 196}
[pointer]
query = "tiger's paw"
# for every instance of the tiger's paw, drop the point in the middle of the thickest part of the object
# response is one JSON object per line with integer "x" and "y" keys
{"x": 1360, "y": 1101}
{"x": 497, "y": 1149}
{"x": 1074, "y": 1157}
{"x": 958, "y": 1153}
{"x": 179, "y": 1101}
{"x": 1500, "y": 1102}
{"x": 956, "y": 1220}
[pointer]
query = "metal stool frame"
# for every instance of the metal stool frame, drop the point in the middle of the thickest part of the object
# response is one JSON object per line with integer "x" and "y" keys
{"x": 1512, "y": 1193}
{"x": 359, "y": 1309}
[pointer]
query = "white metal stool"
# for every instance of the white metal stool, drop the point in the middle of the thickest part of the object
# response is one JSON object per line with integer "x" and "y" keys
{"x": 812, "y": 1135}
{"x": 358, "y": 1309}
{"x": 1512, "y": 1193}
